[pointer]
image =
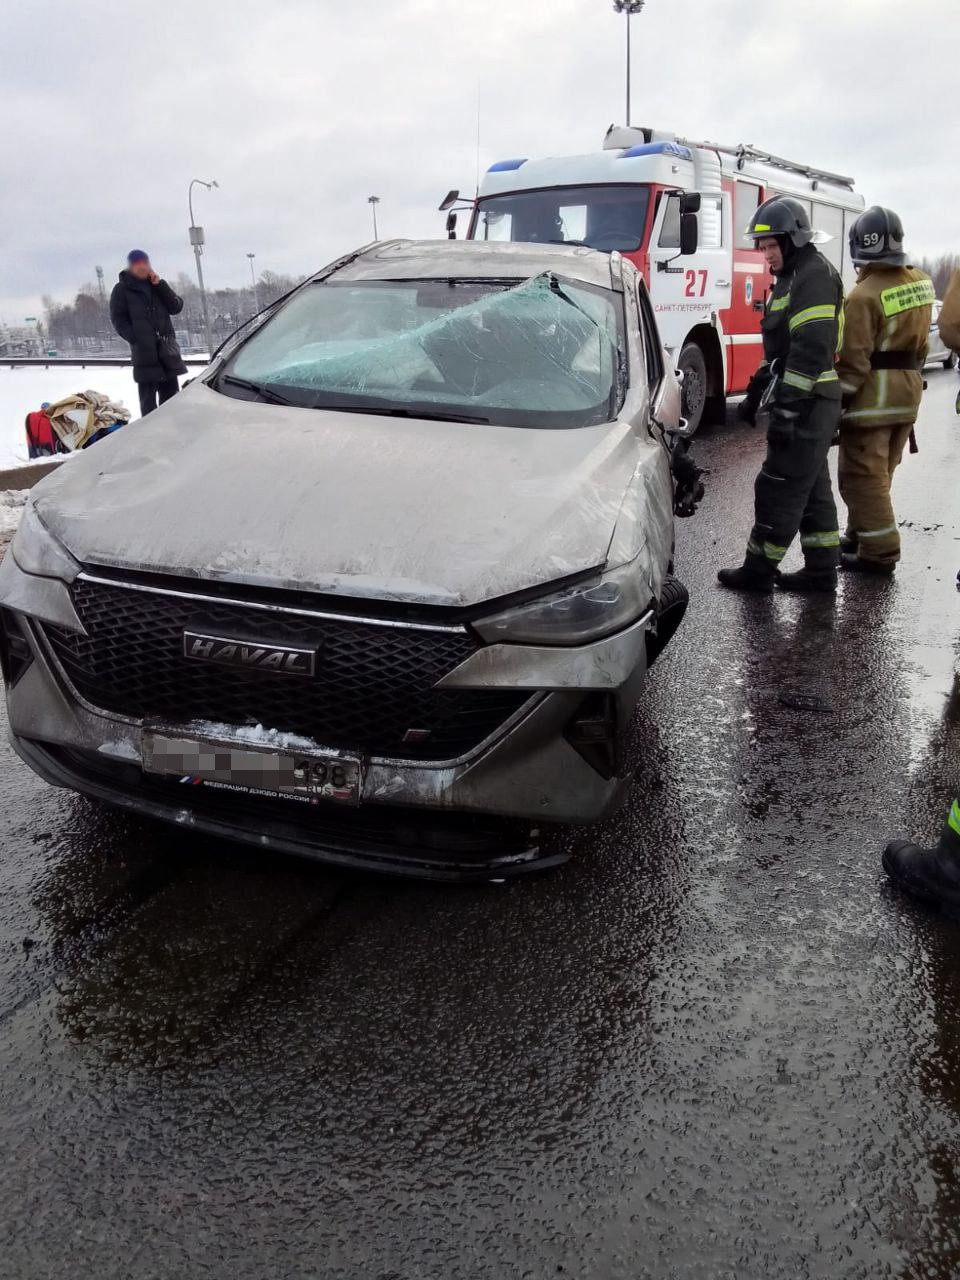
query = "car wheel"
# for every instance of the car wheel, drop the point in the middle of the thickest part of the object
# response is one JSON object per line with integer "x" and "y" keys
{"x": 693, "y": 366}
{"x": 674, "y": 599}
{"x": 951, "y": 361}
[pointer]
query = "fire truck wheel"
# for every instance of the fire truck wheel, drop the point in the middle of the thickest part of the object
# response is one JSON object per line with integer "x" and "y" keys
{"x": 694, "y": 368}
{"x": 951, "y": 361}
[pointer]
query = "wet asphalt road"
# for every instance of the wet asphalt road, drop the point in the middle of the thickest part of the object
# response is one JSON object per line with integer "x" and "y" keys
{"x": 713, "y": 1045}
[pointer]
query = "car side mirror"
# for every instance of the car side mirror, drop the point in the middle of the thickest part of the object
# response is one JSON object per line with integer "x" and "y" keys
{"x": 689, "y": 234}
{"x": 451, "y": 226}
{"x": 449, "y": 200}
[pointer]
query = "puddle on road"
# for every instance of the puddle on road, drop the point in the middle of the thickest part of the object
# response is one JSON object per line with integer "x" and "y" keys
{"x": 932, "y": 688}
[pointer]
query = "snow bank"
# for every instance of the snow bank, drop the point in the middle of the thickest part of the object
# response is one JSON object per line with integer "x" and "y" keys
{"x": 11, "y": 505}
{"x": 23, "y": 390}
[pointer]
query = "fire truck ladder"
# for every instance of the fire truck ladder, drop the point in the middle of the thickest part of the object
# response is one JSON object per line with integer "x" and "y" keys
{"x": 746, "y": 152}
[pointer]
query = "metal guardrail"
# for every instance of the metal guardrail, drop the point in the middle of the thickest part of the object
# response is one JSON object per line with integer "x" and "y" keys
{"x": 84, "y": 362}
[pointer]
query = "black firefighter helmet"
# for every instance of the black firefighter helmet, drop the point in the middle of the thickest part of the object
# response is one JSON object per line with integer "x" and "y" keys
{"x": 782, "y": 216}
{"x": 877, "y": 238}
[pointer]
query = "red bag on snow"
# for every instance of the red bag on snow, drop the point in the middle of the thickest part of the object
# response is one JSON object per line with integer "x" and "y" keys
{"x": 42, "y": 440}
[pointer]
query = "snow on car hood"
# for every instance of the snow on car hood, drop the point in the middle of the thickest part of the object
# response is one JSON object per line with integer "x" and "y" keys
{"x": 394, "y": 509}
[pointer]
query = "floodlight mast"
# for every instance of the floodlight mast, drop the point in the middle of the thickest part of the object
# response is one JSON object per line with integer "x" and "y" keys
{"x": 197, "y": 239}
{"x": 629, "y": 7}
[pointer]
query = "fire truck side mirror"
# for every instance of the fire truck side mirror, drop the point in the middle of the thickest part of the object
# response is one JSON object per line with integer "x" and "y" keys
{"x": 449, "y": 199}
{"x": 689, "y": 234}
{"x": 689, "y": 201}
{"x": 451, "y": 226}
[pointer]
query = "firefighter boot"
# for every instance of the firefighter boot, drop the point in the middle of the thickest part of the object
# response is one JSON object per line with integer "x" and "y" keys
{"x": 809, "y": 581}
{"x": 755, "y": 574}
{"x": 931, "y": 875}
{"x": 854, "y": 563}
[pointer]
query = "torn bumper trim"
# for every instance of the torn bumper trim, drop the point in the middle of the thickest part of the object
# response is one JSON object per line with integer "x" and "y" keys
{"x": 422, "y": 846}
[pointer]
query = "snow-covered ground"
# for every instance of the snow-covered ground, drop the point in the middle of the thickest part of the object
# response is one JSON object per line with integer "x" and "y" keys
{"x": 11, "y": 505}
{"x": 22, "y": 390}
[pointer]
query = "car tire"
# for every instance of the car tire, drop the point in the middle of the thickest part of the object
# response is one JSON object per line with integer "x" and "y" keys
{"x": 693, "y": 365}
{"x": 674, "y": 599}
{"x": 951, "y": 361}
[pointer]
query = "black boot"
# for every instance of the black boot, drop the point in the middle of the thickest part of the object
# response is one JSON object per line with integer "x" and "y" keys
{"x": 849, "y": 542}
{"x": 752, "y": 575}
{"x": 857, "y": 564}
{"x": 932, "y": 875}
{"x": 809, "y": 581}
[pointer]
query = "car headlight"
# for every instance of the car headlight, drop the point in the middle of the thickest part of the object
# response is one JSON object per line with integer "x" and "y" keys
{"x": 37, "y": 551}
{"x": 575, "y": 615}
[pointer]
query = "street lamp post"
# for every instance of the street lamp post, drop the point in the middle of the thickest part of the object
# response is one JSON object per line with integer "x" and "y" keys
{"x": 197, "y": 240}
{"x": 253, "y": 279}
{"x": 629, "y": 7}
{"x": 373, "y": 201}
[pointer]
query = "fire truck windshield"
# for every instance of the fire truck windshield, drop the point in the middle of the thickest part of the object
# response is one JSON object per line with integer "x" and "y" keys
{"x": 607, "y": 217}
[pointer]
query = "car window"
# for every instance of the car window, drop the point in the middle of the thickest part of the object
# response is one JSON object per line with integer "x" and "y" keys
{"x": 710, "y": 221}
{"x": 669, "y": 237}
{"x": 652, "y": 351}
{"x": 603, "y": 217}
{"x": 746, "y": 197}
{"x": 543, "y": 352}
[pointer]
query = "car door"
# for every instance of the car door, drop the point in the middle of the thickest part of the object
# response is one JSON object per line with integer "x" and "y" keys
{"x": 699, "y": 285}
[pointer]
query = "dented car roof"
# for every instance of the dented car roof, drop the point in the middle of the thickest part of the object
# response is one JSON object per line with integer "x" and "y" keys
{"x": 477, "y": 259}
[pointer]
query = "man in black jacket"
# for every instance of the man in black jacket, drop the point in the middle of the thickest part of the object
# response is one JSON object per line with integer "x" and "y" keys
{"x": 796, "y": 391}
{"x": 140, "y": 308}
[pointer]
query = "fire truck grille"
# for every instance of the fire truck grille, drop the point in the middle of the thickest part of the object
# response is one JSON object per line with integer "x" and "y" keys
{"x": 372, "y": 690}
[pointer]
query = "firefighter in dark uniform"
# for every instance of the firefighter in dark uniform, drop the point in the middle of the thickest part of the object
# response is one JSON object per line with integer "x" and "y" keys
{"x": 796, "y": 391}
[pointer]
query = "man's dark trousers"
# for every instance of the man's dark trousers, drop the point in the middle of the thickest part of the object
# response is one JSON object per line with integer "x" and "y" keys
{"x": 793, "y": 490}
{"x": 154, "y": 393}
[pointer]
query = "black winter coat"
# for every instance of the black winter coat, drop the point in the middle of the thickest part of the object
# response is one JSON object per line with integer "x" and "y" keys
{"x": 140, "y": 313}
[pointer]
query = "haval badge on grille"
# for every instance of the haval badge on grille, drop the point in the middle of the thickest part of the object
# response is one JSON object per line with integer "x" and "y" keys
{"x": 290, "y": 660}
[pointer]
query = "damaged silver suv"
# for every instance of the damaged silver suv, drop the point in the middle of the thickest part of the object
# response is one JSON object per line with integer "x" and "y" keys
{"x": 383, "y": 584}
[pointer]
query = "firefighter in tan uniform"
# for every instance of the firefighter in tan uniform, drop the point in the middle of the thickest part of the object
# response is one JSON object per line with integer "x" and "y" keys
{"x": 886, "y": 323}
{"x": 932, "y": 874}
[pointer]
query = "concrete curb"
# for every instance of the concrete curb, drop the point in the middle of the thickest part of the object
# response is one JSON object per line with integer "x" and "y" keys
{"x": 26, "y": 477}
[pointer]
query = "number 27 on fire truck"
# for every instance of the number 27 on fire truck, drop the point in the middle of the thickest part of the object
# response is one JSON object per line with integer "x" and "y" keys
{"x": 639, "y": 196}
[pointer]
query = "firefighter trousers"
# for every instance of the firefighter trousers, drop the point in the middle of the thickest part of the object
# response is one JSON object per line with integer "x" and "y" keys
{"x": 793, "y": 492}
{"x": 868, "y": 458}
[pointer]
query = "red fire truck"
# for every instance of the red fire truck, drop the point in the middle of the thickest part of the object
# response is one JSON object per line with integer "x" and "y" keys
{"x": 632, "y": 197}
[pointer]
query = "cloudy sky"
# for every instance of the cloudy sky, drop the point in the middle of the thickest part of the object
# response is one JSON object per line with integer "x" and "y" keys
{"x": 303, "y": 108}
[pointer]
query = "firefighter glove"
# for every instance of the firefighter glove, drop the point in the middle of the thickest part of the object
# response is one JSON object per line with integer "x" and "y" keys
{"x": 688, "y": 481}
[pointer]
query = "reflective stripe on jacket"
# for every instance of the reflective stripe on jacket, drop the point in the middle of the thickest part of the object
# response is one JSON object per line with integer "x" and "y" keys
{"x": 888, "y": 311}
{"x": 801, "y": 327}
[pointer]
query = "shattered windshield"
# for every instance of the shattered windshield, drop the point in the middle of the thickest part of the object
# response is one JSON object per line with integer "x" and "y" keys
{"x": 543, "y": 353}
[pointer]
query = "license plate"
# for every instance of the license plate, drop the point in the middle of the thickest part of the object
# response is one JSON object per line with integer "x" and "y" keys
{"x": 225, "y": 766}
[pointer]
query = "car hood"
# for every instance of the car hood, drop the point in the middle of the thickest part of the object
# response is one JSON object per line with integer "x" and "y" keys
{"x": 384, "y": 508}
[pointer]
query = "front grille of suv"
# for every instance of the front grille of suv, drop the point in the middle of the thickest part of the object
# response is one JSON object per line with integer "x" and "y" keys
{"x": 373, "y": 686}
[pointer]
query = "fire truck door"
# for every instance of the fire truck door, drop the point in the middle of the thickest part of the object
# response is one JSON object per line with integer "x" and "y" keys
{"x": 690, "y": 290}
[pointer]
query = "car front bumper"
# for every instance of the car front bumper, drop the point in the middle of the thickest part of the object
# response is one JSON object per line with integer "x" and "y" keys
{"x": 475, "y": 817}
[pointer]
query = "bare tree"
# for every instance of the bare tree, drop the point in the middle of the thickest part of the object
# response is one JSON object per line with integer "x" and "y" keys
{"x": 940, "y": 270}
{"x": 84, "y": 325}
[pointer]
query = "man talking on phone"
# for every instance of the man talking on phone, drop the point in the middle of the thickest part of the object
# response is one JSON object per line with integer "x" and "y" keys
{"x": 141, "y": 305}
